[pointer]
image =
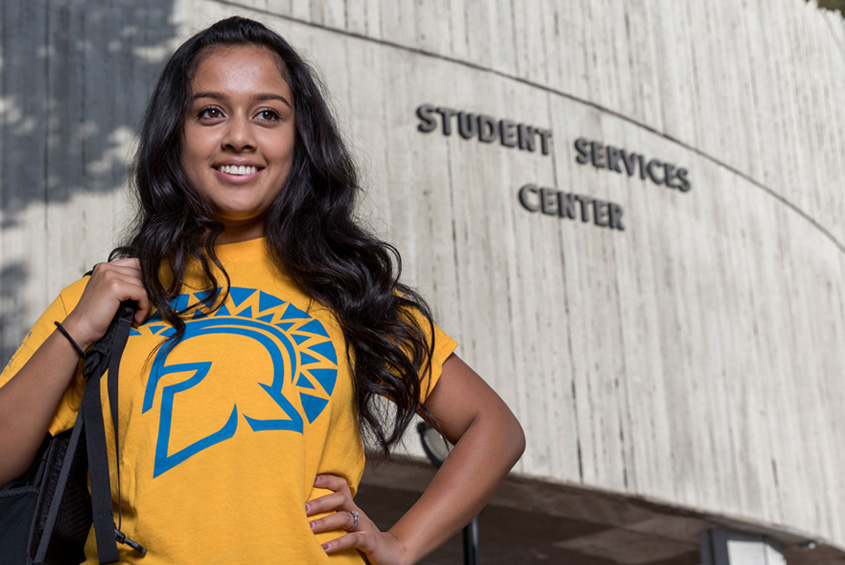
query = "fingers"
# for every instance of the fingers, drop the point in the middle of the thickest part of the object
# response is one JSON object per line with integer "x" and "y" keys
{"x": 361, "y": 532}
{"x": 333, "y": 483}
{"x": 109, "y": 285}
{"x": 143, "y": 310}
{"x": 130, "y": 270}
{"x": 127, "y": 283}
{"x": 327, "y": 503}
{"x": 345, "y": 514}
{"x": 359, "y": 540}
{"x": 377, "y": 546}
{"x": 339, "y": 499}
{"x": 341, "y": 520}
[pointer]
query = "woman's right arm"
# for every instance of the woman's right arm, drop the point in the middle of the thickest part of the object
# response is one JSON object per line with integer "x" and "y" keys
{"x": 31, "y": 397}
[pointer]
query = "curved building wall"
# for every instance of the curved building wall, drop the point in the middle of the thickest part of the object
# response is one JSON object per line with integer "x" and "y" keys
{"x": 681, "y": 343}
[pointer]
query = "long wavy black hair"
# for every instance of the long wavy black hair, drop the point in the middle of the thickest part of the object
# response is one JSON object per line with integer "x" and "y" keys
{"x": 310, "y": 228}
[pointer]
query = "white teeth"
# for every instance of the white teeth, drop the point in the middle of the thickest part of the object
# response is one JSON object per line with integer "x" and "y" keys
{"x": 237, "y": 170}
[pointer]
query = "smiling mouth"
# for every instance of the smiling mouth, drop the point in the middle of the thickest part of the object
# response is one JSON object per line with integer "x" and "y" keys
{"x": 237, "y": 170}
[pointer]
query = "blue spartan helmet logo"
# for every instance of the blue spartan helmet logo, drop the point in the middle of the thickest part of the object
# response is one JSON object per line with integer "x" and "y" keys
{"x": 277, "y": 325}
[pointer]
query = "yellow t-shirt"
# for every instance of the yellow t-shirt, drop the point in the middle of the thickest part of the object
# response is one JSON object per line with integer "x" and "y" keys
{"x": 222, "y": 436}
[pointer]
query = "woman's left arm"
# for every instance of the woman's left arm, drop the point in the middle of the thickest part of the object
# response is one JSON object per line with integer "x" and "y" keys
{"x": 488, "y": 441}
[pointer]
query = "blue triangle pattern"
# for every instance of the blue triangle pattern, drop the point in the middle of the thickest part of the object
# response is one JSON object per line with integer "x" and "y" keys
{"x": 223, "y": 311}
{"x": 133, "y": 331}
{"x": 312, "y": 406}
{"x": 268, "y": 318}
{"x": 293, "y": 312}
{"x": 180, "y": 302}
{"x": 300, "y": 338}
{"x": 314, "y": 327}
{"x": 268, "y": 301}
{"x": 326, "y": 349}
{"x": 239, "y": 294}
{"x": 203, "y": 295}
{"x": 285, "y": 326}
{"x": 303, "y": 382}
{"x": 155, "y": 328}
{"x": 326, "y": 377}
{"x": 246, "y": 313}
{"x": 306, "y": 359}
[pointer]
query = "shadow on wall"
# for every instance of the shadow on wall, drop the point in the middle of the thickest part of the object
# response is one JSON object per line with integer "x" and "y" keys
{"x": 75, "y": 75}
{"x": 10, "y": 276}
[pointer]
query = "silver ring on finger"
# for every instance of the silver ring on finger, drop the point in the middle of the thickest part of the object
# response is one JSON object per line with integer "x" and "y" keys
{"x": 356, "y": 516}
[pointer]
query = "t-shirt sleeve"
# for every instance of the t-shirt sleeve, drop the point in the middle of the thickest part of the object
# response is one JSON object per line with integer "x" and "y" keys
{"x": 56, "y": 312}
{"x": 444, "y": 346}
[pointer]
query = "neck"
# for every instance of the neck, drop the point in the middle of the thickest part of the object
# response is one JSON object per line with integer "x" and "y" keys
{"x": 235, "y": 232}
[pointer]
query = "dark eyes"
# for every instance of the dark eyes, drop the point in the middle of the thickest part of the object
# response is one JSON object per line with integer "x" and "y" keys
{"x": 210, "y": 113}
{"x": 269, "y": 115}
{"x": 215, "y": 113}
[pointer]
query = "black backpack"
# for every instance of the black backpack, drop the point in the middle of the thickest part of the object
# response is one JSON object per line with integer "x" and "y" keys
{"x": 46, "y": 514}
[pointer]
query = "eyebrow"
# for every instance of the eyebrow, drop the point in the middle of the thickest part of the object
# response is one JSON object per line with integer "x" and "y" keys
{"x": 219, "y": 96}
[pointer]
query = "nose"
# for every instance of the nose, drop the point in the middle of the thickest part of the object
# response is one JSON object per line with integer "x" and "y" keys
{"x": 239, "y": 135}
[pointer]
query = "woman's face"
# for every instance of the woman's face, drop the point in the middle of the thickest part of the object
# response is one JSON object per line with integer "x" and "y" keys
{"x": 238, "y": 136}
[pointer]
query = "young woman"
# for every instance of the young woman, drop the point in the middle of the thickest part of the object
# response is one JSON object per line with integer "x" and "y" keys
{"x": 268, "y": 326}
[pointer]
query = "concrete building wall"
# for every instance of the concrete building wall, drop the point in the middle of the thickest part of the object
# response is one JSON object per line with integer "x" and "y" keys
{"x": 693, "y": 358}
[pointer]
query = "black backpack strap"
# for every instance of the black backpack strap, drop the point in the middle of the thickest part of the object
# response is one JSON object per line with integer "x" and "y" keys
{"x": 110, "y": 349}
{"x": 64, "y": 474}
{"x": 98, "y": 471}
{"x": 124, "y": 324}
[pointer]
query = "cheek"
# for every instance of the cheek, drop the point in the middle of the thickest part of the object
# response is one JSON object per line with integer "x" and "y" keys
{"x": 282, "y": 154}
{"x": 196, "y": 144}
{"x": 280, "y": 145}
